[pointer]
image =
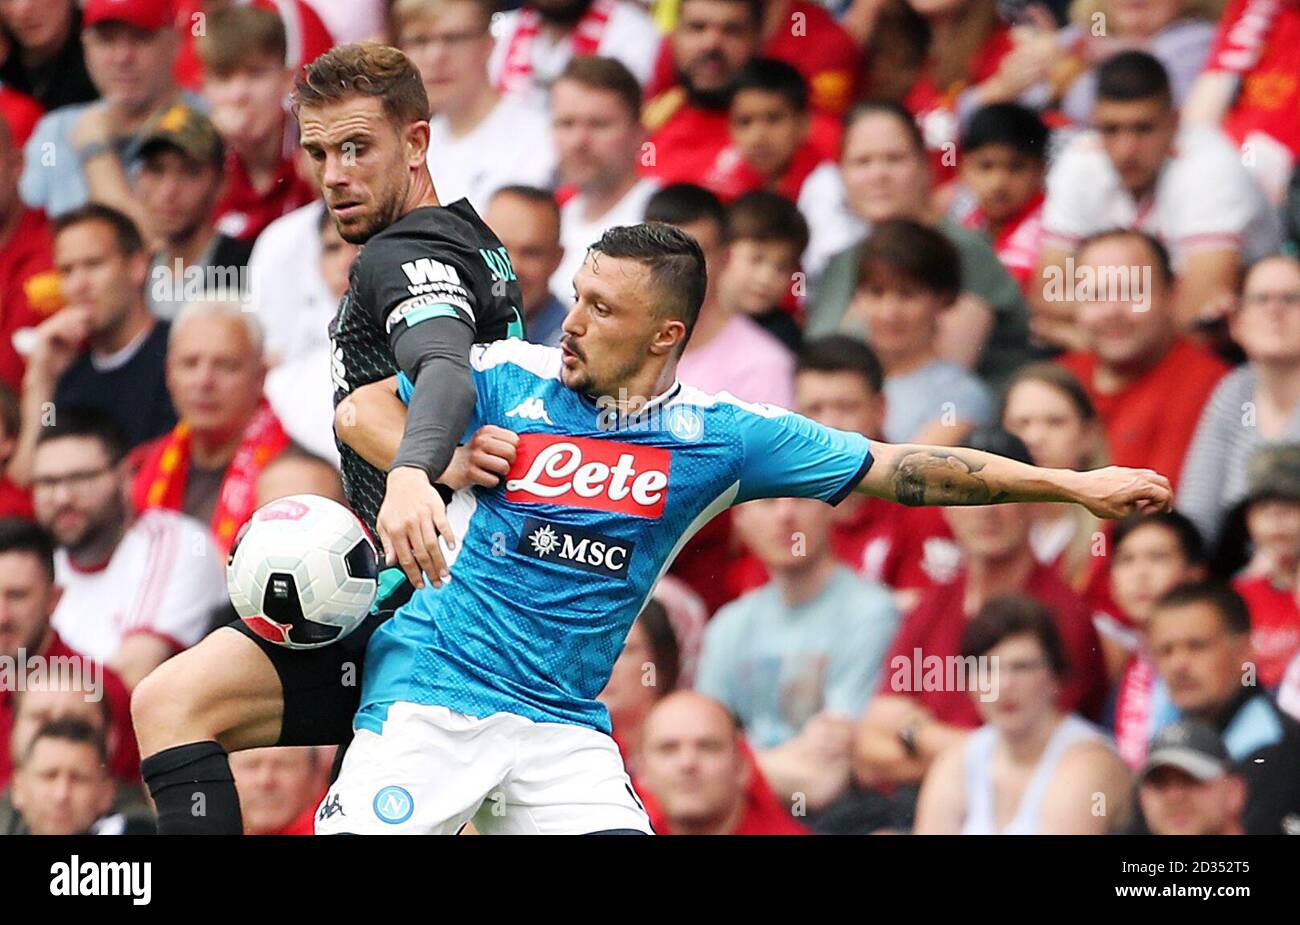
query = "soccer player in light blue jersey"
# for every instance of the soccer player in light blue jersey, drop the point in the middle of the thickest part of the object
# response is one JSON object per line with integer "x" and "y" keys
{"x": 479, "y": 697}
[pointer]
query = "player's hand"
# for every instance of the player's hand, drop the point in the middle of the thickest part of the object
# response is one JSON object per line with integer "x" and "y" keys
{"x": 1115, "y": 491}
{"x": 410, "y": 522}
{"x": 484, "y": 461}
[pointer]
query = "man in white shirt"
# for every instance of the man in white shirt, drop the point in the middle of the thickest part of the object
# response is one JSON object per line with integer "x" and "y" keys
{"x": 479, "y": 139}
{"x": 1136, "y": 170}
{"x": 286, "y": 287}
{"x": 135, "y": 590}
{"x": 536, "y": 42}
{"x": 596, "y": 126}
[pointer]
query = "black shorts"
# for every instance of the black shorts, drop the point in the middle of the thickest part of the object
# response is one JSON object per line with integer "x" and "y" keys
{"x": 322, "y": 687}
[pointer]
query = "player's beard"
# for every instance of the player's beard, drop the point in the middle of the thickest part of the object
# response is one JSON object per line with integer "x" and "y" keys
{"x": 384, "y": 214}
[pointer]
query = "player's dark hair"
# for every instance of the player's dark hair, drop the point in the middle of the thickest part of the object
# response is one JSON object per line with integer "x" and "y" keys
{"x": 766, "y": 216}
{"x": 534, "y": 194}
{"x": 664, "y": 647}
{"x": 608, "y": 74}
{"x": 676, "y": 266}
{"x": 1133, "y": 75}
{"x": 1164, "y": 267}
{"x": 685, "y": 204}
{"x": 124, "y": 229}
{"x": 769, "y": 75}
{"x": 1189, "y": 540}
{"x": 900, "y": 250}
{"x": 1018, "y": 127}
{"x": 890, "y": 108}
{"x": 839, "y": 353}
{"x": 1011, "y": 615}
{"x": 365, "y": 69}
{"x": 1231, "y": 608}
{"x": 87, "y": 422}
{"x": 19, "y": 535}
{"x": 68, "y": 729}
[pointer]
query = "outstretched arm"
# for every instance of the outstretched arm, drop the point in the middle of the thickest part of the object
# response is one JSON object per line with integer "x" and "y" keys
{"x": 915, "y": 474}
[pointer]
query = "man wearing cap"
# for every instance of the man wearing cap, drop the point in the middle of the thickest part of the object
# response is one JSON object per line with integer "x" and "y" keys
{"x": 176, "y": 185}
{"x": 1199, "y": 636}
{"x": 78, "y": 153}
{"x": 1188, "y": 785}
{"x": 1271, "y": 512}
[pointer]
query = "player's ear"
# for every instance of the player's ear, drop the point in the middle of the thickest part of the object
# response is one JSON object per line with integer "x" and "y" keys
{"x": 417, "y": 143}
{"x": 670, "y": 333}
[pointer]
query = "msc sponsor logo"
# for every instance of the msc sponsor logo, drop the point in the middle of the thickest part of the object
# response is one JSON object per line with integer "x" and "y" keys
{"x": 575, "y": 547}
{"x": 603, "y": 475}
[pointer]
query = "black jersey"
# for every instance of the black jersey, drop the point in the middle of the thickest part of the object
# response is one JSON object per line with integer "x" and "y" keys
{"x": 436, "y": 261}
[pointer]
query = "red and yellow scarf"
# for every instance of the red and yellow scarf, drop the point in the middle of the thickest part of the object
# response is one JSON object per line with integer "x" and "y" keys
{"x": 166, "y": 468}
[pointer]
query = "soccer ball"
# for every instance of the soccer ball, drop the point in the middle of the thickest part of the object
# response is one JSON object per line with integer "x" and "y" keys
{"x": 302, "y": 573}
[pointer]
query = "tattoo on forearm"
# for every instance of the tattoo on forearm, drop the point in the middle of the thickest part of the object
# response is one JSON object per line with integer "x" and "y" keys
{"x": 942, "y": 476}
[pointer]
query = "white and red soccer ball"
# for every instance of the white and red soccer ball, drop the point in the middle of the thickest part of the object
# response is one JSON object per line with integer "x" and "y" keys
{"x": 303, "y": 572}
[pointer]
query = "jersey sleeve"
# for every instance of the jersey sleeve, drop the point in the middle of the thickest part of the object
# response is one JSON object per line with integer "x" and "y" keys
{"x": 788, "y": 455}
{"x": 406, "y": 388}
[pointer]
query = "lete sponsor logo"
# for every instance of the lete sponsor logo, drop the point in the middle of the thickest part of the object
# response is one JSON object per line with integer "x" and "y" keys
{"x": 581, "y": 472}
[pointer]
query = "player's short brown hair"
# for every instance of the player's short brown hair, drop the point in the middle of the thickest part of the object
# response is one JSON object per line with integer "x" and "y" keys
{"x": 608, "y": 74}
{"x": 234, "y": 38}
{"x": 365, "y": 69}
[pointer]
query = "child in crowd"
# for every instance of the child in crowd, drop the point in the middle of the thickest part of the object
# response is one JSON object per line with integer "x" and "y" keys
{"x": 765, "y": 237}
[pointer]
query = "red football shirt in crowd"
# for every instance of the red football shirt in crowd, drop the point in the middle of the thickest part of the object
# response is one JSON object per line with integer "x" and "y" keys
{"x": 1259, "y": 40}
{"x": 936, "y": 625}
{"x": 731, "y": 176}
{"x": 1020, "y": 241}
{"x": 29, "y": 287}
{"x": 124, "y": 761}
{"x": 1274, "y": 626}
{"x": 242, "y": 212}
{"x": 306, "y": 36}
{"x": 21, "y": 113}
{"x": 1150, "y": 423}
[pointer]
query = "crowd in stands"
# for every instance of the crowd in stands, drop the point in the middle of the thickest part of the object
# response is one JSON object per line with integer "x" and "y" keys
{"x": 1064, "y": 231}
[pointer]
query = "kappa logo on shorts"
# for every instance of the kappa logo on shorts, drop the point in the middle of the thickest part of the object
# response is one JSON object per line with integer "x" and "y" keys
{"x": 575, "y": 547}
{"x": 394, "y": 805}
{"x": 332, "y": 806}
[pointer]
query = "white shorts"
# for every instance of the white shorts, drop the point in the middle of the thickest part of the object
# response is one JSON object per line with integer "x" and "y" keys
{"x": 432, "y": 770}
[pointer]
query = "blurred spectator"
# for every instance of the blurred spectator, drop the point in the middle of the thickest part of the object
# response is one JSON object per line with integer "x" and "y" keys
{"x": 527, "y": 221}
{"x": 644, "y": 673}
{"x": 688, "y": 614}
{"x": 179, "y": 179}
{"x": 247, "y": 82}
{"x": 536, "y": 42}
{"x": 294, "y": 472}
{"x": 1047, "y": 408}
{"x": 1147, "y": 382}
{"x": 768, "y": 122}
{"x": 207, "y": 466}
{"x": 1251, "y": 87}
{"x": 15, "y": 501}
{"x": 18, "y": 111}
{"x": 883, "y": 174}
{"x": 1003, "y": 162}
{"x": 1031, "y": 769}
{"x": 908, "y": 277}
{"x": 27, "y": 603}
{"x": 796, "y": 661}
{"x": 287, "y": 287}
{"x": 1200, "y": 638}
{"x": 1177, "y": 33}
{"x": 698, "y": 777}
{"x": 596, "y": 128}
{"x": 479, "y": 139}
{"x": 298, "y": 387}
{"x": 135, "y": 589}
{"x": 1153, "y": 554}
{"x": 353, "y": 20}
{"x": 29, "y": 287}
{"x": 1254, "y": 405}
{"x": 1188, "y": 786}
{"x": 905, "y": 728}
{"x": 765, "y": 234}
{"x": 1272, "y": 514}
{"x": 105, "y": 350}
{"x": 727, "y": 351}
{"x": 306, "y": 36}
{"x": 61, "y": 783}
{"x": 45, "y": 59}
{"x": 78, "y": 152}
{"x": 1288, "y": 692}
{"x": 1137, "y": 170}
{"x": 280, "y": 788}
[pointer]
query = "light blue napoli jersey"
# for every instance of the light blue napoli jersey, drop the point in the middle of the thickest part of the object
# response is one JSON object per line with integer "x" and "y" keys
{"x": 554, "y": 564}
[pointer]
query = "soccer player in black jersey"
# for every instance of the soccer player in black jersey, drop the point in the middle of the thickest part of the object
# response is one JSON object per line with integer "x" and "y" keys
{"x": 431, "y": 281}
